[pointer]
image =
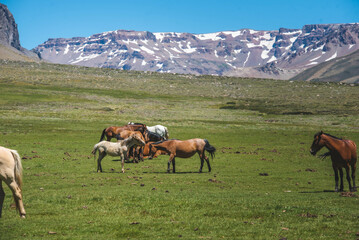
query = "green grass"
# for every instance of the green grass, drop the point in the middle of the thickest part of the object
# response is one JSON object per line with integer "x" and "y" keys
{"x": 54, "y": 114}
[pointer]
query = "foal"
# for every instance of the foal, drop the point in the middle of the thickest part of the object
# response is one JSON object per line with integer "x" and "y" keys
{"x": 343, "y": 154}
{"x": 115, "y": 149}
{"x": 11, "y": 174}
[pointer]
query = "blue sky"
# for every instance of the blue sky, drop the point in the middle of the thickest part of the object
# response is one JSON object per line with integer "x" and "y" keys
{"x": 39, "y": 20}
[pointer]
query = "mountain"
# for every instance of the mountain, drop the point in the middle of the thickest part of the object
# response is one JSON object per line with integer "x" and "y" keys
{"x": 10, "y": 47}
{"x": 344, "y": 69}
{"x": 270, "y": 54}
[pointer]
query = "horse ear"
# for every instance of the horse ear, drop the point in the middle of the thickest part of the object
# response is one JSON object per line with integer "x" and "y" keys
{"x": 321, "y": 132}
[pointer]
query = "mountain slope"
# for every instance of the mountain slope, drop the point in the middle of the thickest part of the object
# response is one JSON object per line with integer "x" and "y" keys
{"x": 10, "y": 47}
{"x": 343, "y": 69}
{"x": 275, "y": 54}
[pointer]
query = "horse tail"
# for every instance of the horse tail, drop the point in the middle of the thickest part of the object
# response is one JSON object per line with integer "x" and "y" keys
{"x": 103, "y": 134}
{"x": 94, "y": 150}
{"x": 167, "y": 136}
{"x": 209, "y": 148}
{"x": 18, "y": 168}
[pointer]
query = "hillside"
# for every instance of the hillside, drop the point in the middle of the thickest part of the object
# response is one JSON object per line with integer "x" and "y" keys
{"x": 262, "y": 174}
{"x": 344, "y": 69}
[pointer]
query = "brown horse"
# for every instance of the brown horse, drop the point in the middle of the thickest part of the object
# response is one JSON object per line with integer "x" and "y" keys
{"x": 132, "y": 152}
{"x": 113, "y": 131}
{"x": 343, "y": 154}
{"x": 153, "y": 152}
{"x": 11, "y": 174}
{"x": 185, "y": 149}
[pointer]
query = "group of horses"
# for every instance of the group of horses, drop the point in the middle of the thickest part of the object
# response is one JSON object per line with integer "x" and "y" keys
{"x": 343, "y": 153}
{"x": 140, "y": 141}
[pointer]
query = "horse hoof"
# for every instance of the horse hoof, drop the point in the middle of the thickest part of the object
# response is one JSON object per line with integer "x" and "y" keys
{"x": 23, "y": 216}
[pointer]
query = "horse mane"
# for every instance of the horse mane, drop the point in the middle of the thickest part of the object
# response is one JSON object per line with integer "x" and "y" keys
{"x": 332, "y": 136}
{"x": 155, "y": 143}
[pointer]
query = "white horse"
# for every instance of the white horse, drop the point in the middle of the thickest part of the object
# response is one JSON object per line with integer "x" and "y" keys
{"x": 11, "y": 174}
{"x": 159, "y": 129}
{"x": 115, "y": 149}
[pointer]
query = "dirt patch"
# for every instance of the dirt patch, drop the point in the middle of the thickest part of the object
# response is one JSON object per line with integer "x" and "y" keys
{"x": 308, "y": 215}
{"x": 348, "y": 194}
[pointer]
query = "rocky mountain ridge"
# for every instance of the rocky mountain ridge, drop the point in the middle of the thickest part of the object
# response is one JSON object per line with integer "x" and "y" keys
{"x": 275, "y": 54}
{"x": 10, "y": 47}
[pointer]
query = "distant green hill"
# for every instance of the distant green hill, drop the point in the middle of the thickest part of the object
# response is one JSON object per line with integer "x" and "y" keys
{"x": 344, "y": 69}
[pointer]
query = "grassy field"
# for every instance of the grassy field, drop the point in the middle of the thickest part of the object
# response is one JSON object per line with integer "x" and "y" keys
{"x": 264, "y": 183}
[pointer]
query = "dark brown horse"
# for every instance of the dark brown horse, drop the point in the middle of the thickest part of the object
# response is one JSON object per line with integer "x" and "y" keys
{"x": 152, "y": 137}
{"x": 343, "y": 154}
{"x": 113, "y": 131}
{"x": 185, "y": 149}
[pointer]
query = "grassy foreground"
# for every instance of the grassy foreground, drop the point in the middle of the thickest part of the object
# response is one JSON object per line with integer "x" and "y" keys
{"x": 264, "y": 183}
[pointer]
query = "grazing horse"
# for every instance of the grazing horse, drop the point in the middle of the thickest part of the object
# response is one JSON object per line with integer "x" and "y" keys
{"x": 112, "y": 131}
{"x": 11, "y": 174}
{"x": 343, "y": 155}
{"x": 185, "y": 149}
{"x": 153, "y": 152}
{"x": 159, "y": 129}
{"x": 118, "y": 148}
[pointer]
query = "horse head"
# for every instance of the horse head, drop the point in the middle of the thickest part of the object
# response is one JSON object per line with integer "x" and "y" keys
{"x": 138, "y": 140}
{"x": 317, "y": 144}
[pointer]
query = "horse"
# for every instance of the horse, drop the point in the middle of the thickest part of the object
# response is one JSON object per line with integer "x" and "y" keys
{"x": 185, "y": 149}
{"x": 132, "y": 151}
{"x": 112, "y": 131}
{"x": 153, "y": 152}
{"x": 152, "y": 137}
{"x": 159, "y": 129}
{"x": 343, "y": 155}
{"x": 11, "y": 174}
{"x": 114, "y": 149}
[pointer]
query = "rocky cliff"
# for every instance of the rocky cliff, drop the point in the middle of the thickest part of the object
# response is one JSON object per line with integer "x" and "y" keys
{"x": 10, "y": 47}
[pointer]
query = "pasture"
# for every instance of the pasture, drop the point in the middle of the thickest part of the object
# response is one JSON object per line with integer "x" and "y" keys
{"x": 264, "y": 183}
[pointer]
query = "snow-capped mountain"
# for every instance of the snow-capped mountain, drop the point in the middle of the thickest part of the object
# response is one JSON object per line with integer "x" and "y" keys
{"x": 274, "y": 54}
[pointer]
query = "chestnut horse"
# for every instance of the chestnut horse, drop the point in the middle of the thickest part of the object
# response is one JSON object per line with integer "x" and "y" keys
{"x": 132, "y": 151}
{"x": 185, "y": 149}
{"x": 11, "y": 174}
{"x": 153, "y": 152}
{"x": 343, "y": 154}
{"x": 112, "y": 131}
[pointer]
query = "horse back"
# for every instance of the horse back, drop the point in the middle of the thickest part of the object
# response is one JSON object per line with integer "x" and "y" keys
{"x": 346, "y": 154}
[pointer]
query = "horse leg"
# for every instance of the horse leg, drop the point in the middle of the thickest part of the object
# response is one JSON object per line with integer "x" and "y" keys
{"x": 341, "y": 180}
{"x": 348, "y": 178}
{"x": 353, "y": 177}
{"x": 123, "y": 162}
{"x": 202, "y": 161}
{"x": 336, "y": 178}
{"x": 207, "y": 161}
{"x": 101, "y": 155}
{"x": 174, "y": 165}
{"x": 2, "y": 197}
{"x": 172, "y": 157}
{"x": 141, "y": 153}
{"x": 16, "y": 191}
